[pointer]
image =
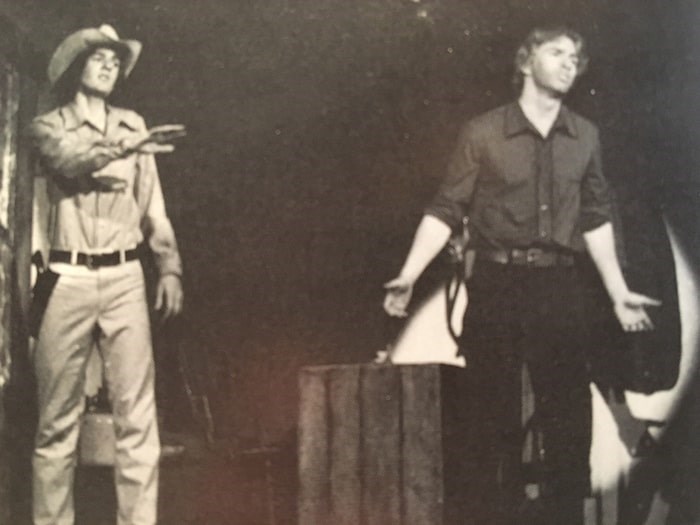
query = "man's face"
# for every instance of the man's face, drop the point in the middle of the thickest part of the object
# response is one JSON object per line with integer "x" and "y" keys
{"x": 100, "y": 72}
{"x": 553, "y": 65}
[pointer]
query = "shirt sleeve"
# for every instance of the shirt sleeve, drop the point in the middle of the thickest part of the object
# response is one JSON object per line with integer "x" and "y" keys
{"x": 65, "y": 153}
{"x": 596, "y": 206}
{"x": 156, "y": 225}
{"x": 452, "y": 198}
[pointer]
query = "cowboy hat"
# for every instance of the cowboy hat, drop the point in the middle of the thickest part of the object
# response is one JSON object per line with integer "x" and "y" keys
{"x": 80, "y": 41}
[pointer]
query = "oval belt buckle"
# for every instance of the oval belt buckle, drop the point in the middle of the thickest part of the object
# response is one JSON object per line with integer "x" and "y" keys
{"x": 90, "y": 261}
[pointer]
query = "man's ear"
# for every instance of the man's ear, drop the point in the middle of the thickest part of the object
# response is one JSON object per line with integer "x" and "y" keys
{"x": 526, "y": 68}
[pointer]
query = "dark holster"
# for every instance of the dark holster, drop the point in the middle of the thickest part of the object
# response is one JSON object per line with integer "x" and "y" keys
{"x": 41, "y": 293}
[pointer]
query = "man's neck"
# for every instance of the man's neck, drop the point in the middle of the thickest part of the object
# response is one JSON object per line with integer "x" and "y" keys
{"x": 540, "y": 108}
{"x": 94, "y": 107}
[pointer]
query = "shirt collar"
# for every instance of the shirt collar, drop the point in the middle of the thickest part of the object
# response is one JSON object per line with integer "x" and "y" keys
{"x": 74, "y": 117}
{"x": 516, "y": 122}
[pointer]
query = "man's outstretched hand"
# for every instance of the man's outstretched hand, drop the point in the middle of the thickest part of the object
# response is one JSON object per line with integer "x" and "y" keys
{"x": 398, "y": 295}
{"x": 155, "y": 140}
{"x": 631, "y": 312}
{"x": 166, "y": 133}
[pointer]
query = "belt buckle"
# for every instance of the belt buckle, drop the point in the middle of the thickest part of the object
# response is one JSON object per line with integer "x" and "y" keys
{"x": 90, "y": 261}
{"x": 532, "y": 255}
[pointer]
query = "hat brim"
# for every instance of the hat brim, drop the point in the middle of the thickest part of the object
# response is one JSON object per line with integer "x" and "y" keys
{"x": 80, "y": 42}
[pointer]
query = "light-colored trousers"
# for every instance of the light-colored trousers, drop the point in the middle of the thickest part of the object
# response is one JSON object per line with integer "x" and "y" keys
{"x": 107, "y": 306}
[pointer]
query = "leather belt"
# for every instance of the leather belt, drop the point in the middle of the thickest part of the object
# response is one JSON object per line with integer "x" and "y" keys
{"x": 95, "y": 260}
{"x": 535, "y": 257}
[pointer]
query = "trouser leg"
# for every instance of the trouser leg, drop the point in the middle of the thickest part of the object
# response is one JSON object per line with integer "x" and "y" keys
{"x": 61, "y": 353}
{"x": 564, "y": 418}
{"x": 494, "y": 364}
{"x": 129, "y": 375}
{"x": 556, "y": 346}
{"x": 496, "y": 371}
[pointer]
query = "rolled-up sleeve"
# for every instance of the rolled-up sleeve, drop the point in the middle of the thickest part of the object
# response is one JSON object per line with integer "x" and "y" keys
{"x": 596, "y": 206}
{"x": 452, "y": 198}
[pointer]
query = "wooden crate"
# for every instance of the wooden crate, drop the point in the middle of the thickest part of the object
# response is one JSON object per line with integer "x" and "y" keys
{"x": 382, "y": 444}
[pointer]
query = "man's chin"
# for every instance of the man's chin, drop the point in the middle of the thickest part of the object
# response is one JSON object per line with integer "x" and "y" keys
{"x": 97, "y": 92}
{"x": 560, "y": 92}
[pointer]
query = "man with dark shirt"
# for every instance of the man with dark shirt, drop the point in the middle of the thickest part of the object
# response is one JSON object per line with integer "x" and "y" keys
{"x": 528, "y": 175}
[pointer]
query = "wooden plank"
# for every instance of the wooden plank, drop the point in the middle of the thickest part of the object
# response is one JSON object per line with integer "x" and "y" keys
{"x": 460, "y": 430}
{"x": 344, "y": 437}
{"x": 313, "y": 449}
{"x": 380, "y": 388}
{"x": 422, "y": 457}
{"x": 20, "y": 403}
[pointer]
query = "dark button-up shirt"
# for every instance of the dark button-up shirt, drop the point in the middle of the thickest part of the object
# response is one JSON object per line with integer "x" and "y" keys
{"x": 520, "y": 189}
{"x": 81, "y": 219}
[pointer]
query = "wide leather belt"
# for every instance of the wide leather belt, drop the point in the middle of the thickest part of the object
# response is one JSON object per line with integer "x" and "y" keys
{"x": 95, "y": 260}
{"x": 535, "y": 257}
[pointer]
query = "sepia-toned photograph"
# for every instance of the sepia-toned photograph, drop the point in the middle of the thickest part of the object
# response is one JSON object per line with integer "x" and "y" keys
{"x": 331, "y": 262}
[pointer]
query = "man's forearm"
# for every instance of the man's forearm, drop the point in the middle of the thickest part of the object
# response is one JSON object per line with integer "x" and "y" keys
{"x": 430, "y": 238}
{"x": 84, "y": 160}
{"x": 600, "y": 243}
{"x": 70, "y": 156}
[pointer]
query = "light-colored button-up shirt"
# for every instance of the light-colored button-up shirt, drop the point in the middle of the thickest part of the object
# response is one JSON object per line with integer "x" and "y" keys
{"x": 81, "y": 218}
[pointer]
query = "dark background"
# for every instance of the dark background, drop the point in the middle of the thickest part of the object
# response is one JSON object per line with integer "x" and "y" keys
{"x": 317, "y": 131}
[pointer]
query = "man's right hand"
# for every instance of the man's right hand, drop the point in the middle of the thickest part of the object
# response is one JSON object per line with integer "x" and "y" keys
{"x": 155, "y": 140}
{"x": 166, "y": 133}
{"x": 431, "y": 236}
{"x": 398, "y": 295}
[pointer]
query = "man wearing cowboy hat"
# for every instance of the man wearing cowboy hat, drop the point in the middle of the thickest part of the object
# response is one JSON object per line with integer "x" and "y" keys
{"x": 105, "y": 202}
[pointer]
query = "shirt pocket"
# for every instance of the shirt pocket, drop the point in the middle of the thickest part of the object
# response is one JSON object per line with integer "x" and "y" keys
{"x": 570, "y": 159}
{"x": 512, "y": 163}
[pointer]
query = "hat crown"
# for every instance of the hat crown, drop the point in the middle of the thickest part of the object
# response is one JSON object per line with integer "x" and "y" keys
{"x": 109, "y": 31}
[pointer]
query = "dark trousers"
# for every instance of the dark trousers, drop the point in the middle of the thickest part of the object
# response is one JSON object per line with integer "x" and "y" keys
{"x": 521, "y": 315}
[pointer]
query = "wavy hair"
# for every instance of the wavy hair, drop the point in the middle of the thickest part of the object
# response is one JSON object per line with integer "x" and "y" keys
{"x": 541, "y": 35}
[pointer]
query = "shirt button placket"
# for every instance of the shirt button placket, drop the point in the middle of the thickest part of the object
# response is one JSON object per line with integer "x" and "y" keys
{"x": 544, "y": 221}
{"x": 544, "y": 189}
{"x": 544, "y": 183}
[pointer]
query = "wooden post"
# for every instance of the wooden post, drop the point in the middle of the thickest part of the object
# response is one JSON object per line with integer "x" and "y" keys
{"x": 377, "y": 444}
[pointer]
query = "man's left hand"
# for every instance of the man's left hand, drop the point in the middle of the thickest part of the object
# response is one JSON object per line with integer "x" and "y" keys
{"x": 630, "y": 311}
{"x": 169, "y": 296}
{"x": 108, "y": 183}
